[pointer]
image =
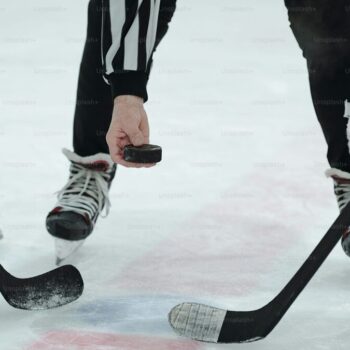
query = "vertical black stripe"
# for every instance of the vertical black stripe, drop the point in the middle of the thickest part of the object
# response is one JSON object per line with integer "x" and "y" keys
{"x": 144, "y": 19}
{"x": 130, "y": 14}
{"x": 107, "y": 33}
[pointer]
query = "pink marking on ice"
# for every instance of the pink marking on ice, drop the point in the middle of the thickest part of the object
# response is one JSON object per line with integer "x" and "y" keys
{"x": 226, "y": 247}
{"x": 105, "y": 341}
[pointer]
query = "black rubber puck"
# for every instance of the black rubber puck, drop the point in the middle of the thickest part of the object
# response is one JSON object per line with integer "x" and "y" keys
{"x": 143, "y": 154}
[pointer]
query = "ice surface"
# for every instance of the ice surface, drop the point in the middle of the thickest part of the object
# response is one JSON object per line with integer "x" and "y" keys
{"x": 235, "y": 207}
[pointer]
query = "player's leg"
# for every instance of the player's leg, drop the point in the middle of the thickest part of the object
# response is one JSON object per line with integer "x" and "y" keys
{"x": 92, "y": 170}
{"x": 94, "y": 105}
{"x": 320, "y": 28}
{"x": 323, "y": 32}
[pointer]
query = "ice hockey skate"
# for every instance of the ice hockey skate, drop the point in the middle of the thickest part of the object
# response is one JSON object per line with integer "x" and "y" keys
{"x": 80, "y": 202}
{"x": 342, "y": 191}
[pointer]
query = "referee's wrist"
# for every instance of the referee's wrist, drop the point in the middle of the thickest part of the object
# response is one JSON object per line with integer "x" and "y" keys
{"x": 129, "y": 99}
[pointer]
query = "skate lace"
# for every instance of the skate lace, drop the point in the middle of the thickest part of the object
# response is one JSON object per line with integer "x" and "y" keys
{"x": 342, "y": 192}
{"x": 86, "y": 192}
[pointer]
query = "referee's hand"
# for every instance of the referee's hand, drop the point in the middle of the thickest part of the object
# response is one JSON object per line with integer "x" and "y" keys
{"x": 129, "y": 125}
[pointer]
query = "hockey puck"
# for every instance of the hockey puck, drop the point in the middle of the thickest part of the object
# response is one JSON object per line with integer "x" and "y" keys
{"x": 143, "y": 154}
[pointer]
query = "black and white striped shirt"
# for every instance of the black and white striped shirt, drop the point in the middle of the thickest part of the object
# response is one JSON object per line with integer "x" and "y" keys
{"x": 131, "y": 30}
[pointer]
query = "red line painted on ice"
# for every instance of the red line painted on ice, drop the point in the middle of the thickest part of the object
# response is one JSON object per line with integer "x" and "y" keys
{"x": 226, "y": 247}
{"x": 105, "y": 341}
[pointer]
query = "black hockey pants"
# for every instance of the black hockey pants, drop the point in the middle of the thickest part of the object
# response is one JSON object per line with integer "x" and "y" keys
{"x": 322, "y": 29}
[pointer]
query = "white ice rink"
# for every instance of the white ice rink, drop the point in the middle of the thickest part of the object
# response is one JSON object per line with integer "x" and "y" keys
{"x": 236, "y": 206}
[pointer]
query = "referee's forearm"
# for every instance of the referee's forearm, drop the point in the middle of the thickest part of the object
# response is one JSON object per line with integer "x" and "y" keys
{"x": 133, "y": 34}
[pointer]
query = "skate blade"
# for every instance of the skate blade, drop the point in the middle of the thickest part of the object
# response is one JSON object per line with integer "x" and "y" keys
{"x": 65, "y": 249}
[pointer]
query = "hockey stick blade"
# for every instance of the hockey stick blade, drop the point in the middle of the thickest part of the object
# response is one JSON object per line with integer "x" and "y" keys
{"x": 52, "y": 289}
{"x": 210, "y": 324}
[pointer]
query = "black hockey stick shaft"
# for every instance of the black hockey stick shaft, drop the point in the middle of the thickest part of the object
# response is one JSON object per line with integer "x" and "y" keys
{"x": 210, "y": 324}
{"x": 276, "y": 309}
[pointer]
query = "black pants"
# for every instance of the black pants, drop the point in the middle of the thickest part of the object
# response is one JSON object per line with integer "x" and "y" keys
{"x": 94, "y": 104}
{"x": 322, "y": 29}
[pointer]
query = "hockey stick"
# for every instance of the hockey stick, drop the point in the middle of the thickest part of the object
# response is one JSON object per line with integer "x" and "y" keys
{"x": 210, "y": 324}
{"x": 52, "y": 289}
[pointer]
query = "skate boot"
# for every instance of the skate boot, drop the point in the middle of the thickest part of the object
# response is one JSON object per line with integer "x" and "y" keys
{"x": 80, "y": 202}
{"x": 342, "y": 192}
